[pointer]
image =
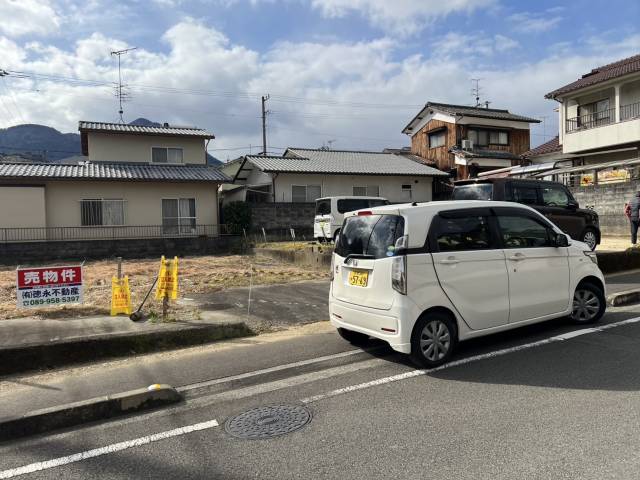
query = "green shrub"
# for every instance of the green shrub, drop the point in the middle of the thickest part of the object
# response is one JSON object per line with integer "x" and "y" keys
{"x": 237, "y": 215}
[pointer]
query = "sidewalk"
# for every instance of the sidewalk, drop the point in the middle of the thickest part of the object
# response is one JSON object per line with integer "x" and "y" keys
{"x": 31, "y": 343}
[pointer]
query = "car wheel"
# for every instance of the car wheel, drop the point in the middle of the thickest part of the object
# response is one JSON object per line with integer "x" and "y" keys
{"x": 433, "y": 341}
{"x": 590, "y": 237}
{"x": 355, "y": 338}
{"x": 588, "y": 304}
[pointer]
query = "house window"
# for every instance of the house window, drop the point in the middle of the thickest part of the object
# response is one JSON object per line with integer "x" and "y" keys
{"x": 484, "y": 137}
{"x": 305, "y": 193}
{"x": 406, "y": 192}
{"x": 166, "y": 155}
{"x": 178, "y": 215}
{"x": 367, "y": 191}
{"x": 101, "y": 212}
{"x": 437, "y": 139}
{"x": 594, "y": 114}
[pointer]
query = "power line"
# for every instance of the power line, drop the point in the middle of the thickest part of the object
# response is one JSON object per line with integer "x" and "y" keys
{"x": 243, "y": 95}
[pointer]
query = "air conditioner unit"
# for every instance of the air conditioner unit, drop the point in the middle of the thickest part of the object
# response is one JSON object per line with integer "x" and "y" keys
{"x": 467, "y": 144}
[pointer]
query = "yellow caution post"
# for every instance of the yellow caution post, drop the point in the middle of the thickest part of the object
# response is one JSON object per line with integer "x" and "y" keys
{"x": 167, "y": 279}
{"x": 120, "y": 296}
{"x": 167, "y": 283}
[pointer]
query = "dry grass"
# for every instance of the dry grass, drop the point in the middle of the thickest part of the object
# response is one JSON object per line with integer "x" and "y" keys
{"x": 296, "y": 246}
{"x": 197, "y": 275}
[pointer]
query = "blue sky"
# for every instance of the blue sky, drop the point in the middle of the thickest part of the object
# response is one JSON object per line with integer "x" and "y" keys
{"x": 357, "y": 69}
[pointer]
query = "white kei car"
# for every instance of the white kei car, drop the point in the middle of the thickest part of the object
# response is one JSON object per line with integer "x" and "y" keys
{"x": 423, "y": 277}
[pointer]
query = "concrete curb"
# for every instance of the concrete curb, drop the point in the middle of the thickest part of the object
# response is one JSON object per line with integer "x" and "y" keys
{"x": 628, "y": 297}
{"x": 100, "y": 408}
{"x": 21, "y": 358}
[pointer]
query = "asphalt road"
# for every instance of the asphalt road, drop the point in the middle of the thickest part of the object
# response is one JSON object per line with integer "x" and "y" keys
{"x": 514, "y": 405}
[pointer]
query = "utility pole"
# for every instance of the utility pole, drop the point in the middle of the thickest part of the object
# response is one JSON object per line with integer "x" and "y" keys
{"x": 264, "y": 124}
{"x": 121, "y": 96}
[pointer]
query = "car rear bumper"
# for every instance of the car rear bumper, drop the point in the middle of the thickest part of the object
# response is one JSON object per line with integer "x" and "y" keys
{"x": 385, "y": 325}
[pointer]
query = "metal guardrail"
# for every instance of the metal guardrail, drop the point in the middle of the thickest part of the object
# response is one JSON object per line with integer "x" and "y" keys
{"x": 59, "y": 234}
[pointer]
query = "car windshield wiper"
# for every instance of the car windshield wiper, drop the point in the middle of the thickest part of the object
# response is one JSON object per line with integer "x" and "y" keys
{"x": 357, "y": 255}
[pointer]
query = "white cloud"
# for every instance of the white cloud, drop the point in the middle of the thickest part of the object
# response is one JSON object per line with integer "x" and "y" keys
{"x": 21, "y": 17}
{"x": 528, "y": 22}
{"x": 404, "y": 17}
{"x": 330, "y": 81}
{"x": 473, "y": 44}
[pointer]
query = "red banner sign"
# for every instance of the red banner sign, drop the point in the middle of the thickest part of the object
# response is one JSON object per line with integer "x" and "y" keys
{"x": 49, "y": 286}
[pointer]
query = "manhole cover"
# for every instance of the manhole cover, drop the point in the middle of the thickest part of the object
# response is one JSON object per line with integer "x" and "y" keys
{"x": 269, "y": 421}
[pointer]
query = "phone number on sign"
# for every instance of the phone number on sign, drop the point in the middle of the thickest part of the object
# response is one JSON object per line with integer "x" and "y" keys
{"x": 51, "y": 301}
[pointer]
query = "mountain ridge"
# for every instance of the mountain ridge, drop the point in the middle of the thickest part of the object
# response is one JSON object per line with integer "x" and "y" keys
{"x": 41, "y": 143}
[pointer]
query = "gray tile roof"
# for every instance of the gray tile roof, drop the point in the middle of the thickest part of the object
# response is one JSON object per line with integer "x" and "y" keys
{"x": 551, "y": 146}
{"x": 113, "y": 171}
{"x": 338, "y": 162}
{"x": 85, "y": 126}
{"x": 467, "y": 111}
{"x": 599, "y": 75}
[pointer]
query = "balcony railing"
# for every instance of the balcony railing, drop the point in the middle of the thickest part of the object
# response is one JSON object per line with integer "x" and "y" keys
{"x": 57, "y": 234}
{"x": 591, "y": 120}
{"x": 602, "y": 118}
{"x": 627, "y": 112}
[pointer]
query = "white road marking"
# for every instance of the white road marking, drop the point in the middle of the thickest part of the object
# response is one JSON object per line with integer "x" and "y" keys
{"x": 288, "y": 382}
{"x": 277, "y": 368}
{"x": 97, "y": 452}
{"x": 463, "y": 361}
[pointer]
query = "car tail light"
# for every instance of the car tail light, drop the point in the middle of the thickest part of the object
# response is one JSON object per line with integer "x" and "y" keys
{"x": 399, "y": 274}
{"x": 364, "y": 212}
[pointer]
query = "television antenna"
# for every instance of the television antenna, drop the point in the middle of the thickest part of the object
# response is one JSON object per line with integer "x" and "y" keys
{"x": 122, "y": 95}
{"x": 475, "y": 91}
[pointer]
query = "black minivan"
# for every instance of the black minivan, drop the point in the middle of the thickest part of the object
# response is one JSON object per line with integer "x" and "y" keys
{"x": 552, "y": 199}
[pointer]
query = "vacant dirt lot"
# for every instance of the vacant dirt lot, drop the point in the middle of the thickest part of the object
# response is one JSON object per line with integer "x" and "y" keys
{"x": 196, "y": 275}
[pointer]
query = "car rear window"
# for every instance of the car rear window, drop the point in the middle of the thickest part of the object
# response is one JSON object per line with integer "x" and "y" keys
{"x": 370, "y": 235}
{"x": 351, "y": 204}
{"x": 477, "y": 191}
{"x": 323, "y": 207}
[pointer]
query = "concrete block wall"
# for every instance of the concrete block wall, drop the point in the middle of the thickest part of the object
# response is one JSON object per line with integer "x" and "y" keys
{"x": 33, "y": 252}
{"x": 608, "y": 201}
{"x": 280, "y": 216}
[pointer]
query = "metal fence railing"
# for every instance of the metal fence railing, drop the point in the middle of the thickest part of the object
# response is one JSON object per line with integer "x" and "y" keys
{"x": 57, "y": 234}
{"x": 630, "y": 111}
{"x": 592, "y": 120}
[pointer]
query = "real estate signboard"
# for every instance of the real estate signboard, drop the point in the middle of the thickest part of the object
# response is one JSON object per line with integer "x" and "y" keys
{"x": 49, "y": 286}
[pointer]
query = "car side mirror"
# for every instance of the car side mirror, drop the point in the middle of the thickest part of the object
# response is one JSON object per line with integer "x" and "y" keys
{"x": 573, "y": 205}
{"x": 561, "y": 240}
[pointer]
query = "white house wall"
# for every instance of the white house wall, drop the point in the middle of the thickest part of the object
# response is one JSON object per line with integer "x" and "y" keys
{"x": 109, "y": 147}
{"x": 335, "y": 185}
{"x": 143, "y": 200}
{"x": 22, "y": 206}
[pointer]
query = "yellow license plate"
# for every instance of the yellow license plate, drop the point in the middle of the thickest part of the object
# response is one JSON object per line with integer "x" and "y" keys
{"x": 359, "y": 278}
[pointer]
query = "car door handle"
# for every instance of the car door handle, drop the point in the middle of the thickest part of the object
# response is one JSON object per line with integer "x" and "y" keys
{"x": 450, "y": 261}
{"x": 517, "y": 257}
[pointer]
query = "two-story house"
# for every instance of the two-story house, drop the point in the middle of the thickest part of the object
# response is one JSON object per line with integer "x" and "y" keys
{"x": 134, "y": 182}
{"x": 599, "y": 124}
{"x": 465, "y": 141}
